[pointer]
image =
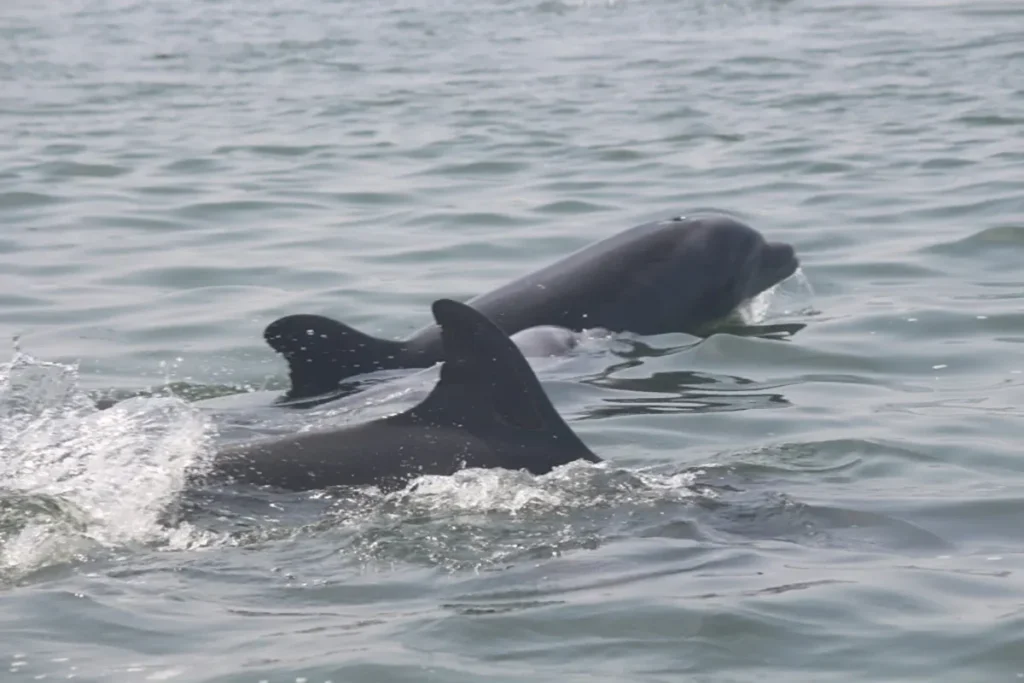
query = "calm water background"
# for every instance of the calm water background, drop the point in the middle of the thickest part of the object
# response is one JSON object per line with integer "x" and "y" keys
{"x": 843, "y": 504}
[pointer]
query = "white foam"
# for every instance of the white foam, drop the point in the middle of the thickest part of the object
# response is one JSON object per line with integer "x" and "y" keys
{"x": 72, "y": 476}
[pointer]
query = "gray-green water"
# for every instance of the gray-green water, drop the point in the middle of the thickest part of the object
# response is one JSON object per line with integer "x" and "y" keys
{"x": 844, "y": 504}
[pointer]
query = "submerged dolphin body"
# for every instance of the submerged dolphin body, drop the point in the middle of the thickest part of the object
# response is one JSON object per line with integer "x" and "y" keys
{"x": 667, "y": 276}
{"x": 488, "y": 410}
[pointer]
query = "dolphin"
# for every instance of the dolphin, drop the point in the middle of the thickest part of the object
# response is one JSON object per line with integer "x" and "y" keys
{"x": 676, "y": 275}
{"x": 488, "y": 410}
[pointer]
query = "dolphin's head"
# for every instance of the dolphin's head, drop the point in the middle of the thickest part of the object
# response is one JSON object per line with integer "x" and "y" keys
{"x": 734, "y": 259}
{"x": 707, "y": 266}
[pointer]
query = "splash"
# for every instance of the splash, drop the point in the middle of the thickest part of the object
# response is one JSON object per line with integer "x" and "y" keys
{"x": 792, "y": 296}
{"x": 480, "y": 518}
{"x": 73, "y": 478}
{"x": 575, "y": 485}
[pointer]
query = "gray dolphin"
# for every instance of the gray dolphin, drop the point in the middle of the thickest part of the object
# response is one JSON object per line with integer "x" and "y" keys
{"x": 487, "y": 410}
{"x": 675, "y": 275}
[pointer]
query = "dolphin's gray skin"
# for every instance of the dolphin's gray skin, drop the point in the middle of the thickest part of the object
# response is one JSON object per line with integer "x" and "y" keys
{"x": 487, "y": 410}
{"x": 676, "y": 275}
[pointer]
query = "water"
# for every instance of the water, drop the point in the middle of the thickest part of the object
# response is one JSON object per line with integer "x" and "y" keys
{"x": 842, "y": 504}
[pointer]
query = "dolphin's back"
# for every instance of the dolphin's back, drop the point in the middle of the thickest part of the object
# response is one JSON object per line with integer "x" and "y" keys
{"x": 378, "y": 453}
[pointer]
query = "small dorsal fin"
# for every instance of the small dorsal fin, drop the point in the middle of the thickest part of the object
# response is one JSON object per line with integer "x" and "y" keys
{"x": 484, "y": 376}
{"x": 321, "y": 352}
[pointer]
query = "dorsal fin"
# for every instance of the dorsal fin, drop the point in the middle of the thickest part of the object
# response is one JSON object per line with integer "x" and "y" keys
{"x": 321, "y": 352}
{"x": 484, "y": 376}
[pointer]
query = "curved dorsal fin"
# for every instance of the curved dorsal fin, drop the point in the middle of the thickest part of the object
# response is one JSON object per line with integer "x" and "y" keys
{"x": 321, "y": 352}
{"x": 485, "y": 379}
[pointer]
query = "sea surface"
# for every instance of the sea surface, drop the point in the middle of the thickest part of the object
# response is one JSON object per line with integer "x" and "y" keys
{"x": 840, "y": 503}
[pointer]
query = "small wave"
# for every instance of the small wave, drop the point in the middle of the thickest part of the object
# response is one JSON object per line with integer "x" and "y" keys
{"x": 998, "y": 240}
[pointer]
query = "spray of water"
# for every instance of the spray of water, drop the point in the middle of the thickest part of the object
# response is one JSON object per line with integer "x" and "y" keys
{"x": 792, "y": 296}
{"x": 74, "y": 478}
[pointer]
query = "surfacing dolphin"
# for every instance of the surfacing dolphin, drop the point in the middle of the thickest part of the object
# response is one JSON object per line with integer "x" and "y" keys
{"x": 676, "y": 275}
{"x": 488, "y": 410}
